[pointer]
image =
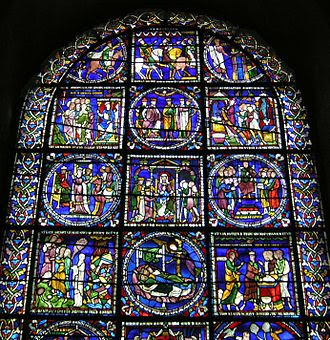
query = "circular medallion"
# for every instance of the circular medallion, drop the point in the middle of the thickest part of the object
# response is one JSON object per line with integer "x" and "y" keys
{"x": 105, "y": 62}
{"x": 81, "y": 190}
{"x": 228, "y": 63}
{"x": 164, "y": 273}
{"x": 165, "y": 118}
{"x": 247, "y": 191}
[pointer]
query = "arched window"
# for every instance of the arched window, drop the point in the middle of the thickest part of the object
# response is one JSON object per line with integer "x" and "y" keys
{"x": 164, "y": 172}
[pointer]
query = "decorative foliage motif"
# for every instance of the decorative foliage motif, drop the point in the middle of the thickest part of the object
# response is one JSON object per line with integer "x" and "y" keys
{"x": 314, "y": 264}
{"x": 201, "y": 21}
{"x": 258, "y": 330}
{"x": 164, "y": 191}
{"x": 165, "y": 55}
{"x": 165, "y": 118}
{"x": 296, "y": 127}
{"x": 104, "y": 62}
{"x": 88, "y": 118}
{"x": 60, "y": 63}
{"x": 318, "y": 330}
{"x": 72, "y": 329}
{"x": 164, "y": 274}
{"x": 14, "y": 271}
{"x": 33, "y": 117}
{"x": 271, "y": 64}
{"x": 132, "y": 21}
{"x": 81, "y": 190}
{"x": 75, "y": 273}
{"x": 247, "y": 191}
{"x": 253, "y": 274}
{"x": 165, "y": 330}
{"x": 226, "y": 62}
{"x": 242, "y": 118}
{"x": 11, "y": 329}
{"x": 305, "y": 191}
{"x": 24, "y": 189}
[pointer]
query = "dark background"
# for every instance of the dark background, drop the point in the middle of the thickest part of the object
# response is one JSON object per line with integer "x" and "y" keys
{"x": 297, "y": 30}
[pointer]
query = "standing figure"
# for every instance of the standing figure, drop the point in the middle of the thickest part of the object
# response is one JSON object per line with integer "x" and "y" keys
{"x": 253, "y": 271}
{"x": 68, "y": 122}
{"x": 165, "y": 200}
{"x": 62, "y": 187}
{"x": 149, "y": 199}
{"x": 169, "y": 118}
{"x": 152, "y": 119}
{"x": 273, "y": 191}
{"x": 58, "y": 280}
{"x": 98, "y": 195}
{"x": 183, "y": 118}
{"x": 217, "y": 54}
{"x": 263, "y": 190}
{"x": 78, "y": 193}
{"x": 137, "y": 200}
{"x": 231, "y": 278}
{"x": 109, "y": 184}
{"x": 141, "y": 114}
{"x": 78, "y": 278}
{"x": 282, "y": 269}
{"x": 87, "y": 187}
{"x": 106, "y": 121}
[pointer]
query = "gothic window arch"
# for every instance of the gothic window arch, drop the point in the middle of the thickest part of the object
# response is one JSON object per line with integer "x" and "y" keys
{"x": 164, "y": 186}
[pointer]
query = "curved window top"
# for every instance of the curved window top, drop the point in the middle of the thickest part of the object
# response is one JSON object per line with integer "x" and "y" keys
{"x": 164, "y": 169}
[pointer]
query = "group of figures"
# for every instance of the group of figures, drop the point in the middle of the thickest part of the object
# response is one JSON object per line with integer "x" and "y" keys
{"x": 258, "y": 330}
{"x": 165, "y": 330}
{"x": 247, "y": 190}
{"x": 164, "y": 273}
{"x": 227, "y": 62}
{"x": 81, "y": 190}
{"x": 88, "y": 118}
{"x": 165, "y": 191}
{"x": 72, "y": 329}
{"x": 253, "y": 276}
{"x": 164, "y": 117}
{"x": 105, "y": 62}
{"x": 75, "y": 271}
{"x": 165, "y": 55}
{"x": 242, "y": 118}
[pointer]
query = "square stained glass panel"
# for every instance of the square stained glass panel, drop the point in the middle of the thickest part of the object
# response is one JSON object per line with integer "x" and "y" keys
{"x": 164, "y": 191}
{"x": 253, "y": 274}
{"x": 88, "y": 118}
{"x": 164, "y": 273}
{"x": 242, "y": 118}
{"x": 165, "y": 55}
{"x": 75, "y": 273}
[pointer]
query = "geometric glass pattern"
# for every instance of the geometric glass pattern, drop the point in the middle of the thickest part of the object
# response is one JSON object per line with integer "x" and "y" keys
{"x": 164, "y": 171}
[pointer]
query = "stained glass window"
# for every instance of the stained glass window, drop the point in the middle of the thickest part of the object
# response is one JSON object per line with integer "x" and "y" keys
{"x": 164, "y": 187}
